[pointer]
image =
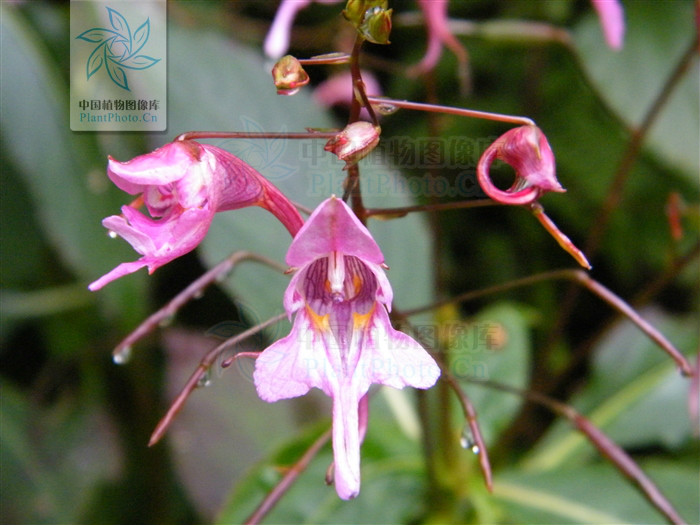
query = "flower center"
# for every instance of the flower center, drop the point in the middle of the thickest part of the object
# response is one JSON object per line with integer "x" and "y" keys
{"x": 160, "y": 199}
{"x": 339, "y": 282}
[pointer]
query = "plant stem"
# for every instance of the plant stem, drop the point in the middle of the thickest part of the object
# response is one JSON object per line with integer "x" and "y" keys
{"x": 606, "y": 446}
{"x": 462, "y": 112}
{"x": 203, "y": 368}
{"x": 197, "y": 287}
{"x": 288, "y": 480}
{"x": 299, "y": 135}
{"x": 391, "y": 213}
{"x": 582, "y": 278}
{"x": 616, "y": 188}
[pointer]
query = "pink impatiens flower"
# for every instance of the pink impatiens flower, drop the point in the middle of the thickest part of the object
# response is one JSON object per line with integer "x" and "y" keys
{"x": 338, "y": 90}
{"x": 277, "y": 39}
{"x": 439, "y": 35}
{"x": 342, "y": 340}
{"x": 526, "y": 149}
{"x": 183, "y": 184}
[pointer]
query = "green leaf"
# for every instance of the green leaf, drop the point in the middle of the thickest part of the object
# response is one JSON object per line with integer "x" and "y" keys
{"x": 635, "y": 394}
{"x": 657, "y": 35}
{"x": 224, "y": 429}
{"x": 594, "y": 494}
{"x": 61, "y": 169}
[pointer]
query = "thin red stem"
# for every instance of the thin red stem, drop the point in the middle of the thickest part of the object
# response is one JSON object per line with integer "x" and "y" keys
{"x": 294, "y": 135}
{"x": 462, "y": 112}
{"x": 468, "y": 409}
{"x": 194, "y": 289}
{"x": 200, "y": 373}
{"x": 562, "y": 239}
{"x": 391, "y": 213}
{"x": 328, "y": 59}
{"x": 470, "y": 416}
{"x": 606, "y": 446}
{"x": 582, "y": 278}
{"x": 287, "y": 480}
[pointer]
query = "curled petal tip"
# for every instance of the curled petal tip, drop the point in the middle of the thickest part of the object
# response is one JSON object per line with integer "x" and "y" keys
{"x": 525, "y": 149}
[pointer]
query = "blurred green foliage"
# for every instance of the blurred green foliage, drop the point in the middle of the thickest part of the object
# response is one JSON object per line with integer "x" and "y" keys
{"x": 74, "y": 426}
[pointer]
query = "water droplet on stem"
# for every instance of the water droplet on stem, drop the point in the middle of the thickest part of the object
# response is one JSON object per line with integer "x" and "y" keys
{"x": 385, "y": 108}
{"x": 205, "y": 379}
{"x": 122, "y": 355}
{"x": 467, "y": 440}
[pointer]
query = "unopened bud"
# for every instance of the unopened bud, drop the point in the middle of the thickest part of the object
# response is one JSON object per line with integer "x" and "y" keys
{"x": 354, "y": 11}
{"x": 526, "y": 149}
{"x": 371, "y": 18}
{"x": 288, "y": 75}
{"x": 355, "y": 142}
{"x": 376, "y": 25}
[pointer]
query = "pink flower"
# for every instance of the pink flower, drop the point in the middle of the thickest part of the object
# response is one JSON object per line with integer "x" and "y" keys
{"x": 612, "y": 19}
{"x": 342, "y": 340}
{"x": 526, "y": 149}
{"x": 439, "y": 35}
{"x": 338, "y": 90}
{"x": 277, "y": 39}
{"x": 183, "y": 184}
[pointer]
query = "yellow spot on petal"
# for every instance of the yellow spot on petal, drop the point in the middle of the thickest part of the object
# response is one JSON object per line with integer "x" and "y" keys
{"x": 319, "y": 322}
{"x": 357, "y": 283}
{"x": 360, "y": 321}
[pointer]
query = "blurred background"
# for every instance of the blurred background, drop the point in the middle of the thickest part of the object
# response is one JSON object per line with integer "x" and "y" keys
{"x": 75, "y": 426}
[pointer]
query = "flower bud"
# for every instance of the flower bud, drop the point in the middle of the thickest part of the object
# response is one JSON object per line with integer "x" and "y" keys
{"x": 354, "y": 11}
{"x": 526, "y": 149}
{"x": 371, "y": 18}
{"x": 288, "y": 75}
{"x": 355, "y": 142}
{"x": 376, "y": 25}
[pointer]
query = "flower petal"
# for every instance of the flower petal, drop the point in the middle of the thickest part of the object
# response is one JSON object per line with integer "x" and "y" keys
{"x": 158, "y": 241}
{"x": 293, "y": 365}
{"x": 120, "y": 271}
{"x": 346, "y": 441}
{"x": 333, "y": 227}
{"x": 526, "y": 149}
{"x": 165, "y": 165}
{"x": 392, "y": 358}
{"x": 237, "y": 184}
{"x": 277, "y": 39}
{"x": 139, "y": 240}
